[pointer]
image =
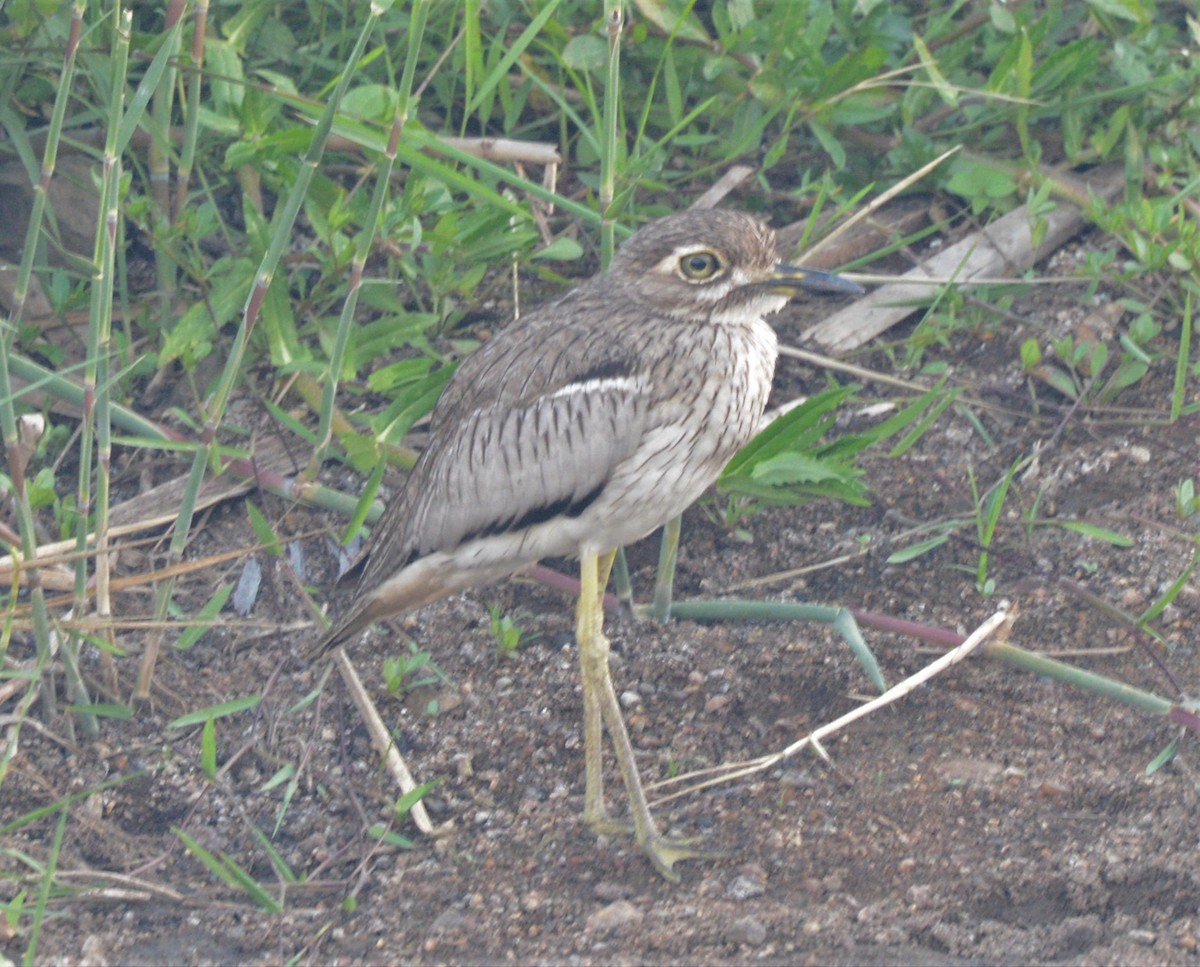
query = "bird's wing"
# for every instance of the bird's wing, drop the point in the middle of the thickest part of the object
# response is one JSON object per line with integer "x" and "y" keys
{"x": 514, "y": 451}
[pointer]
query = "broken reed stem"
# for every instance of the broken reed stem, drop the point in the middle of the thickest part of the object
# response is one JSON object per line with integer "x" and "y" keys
{"x": 728, "y": 772}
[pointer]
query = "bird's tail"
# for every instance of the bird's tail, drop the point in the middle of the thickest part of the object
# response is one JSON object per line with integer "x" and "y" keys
{"x": 420, "y": 583}
{"x": 350, "y": 624}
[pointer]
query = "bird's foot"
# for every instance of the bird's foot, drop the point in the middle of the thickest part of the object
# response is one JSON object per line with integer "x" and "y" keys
{"x": 663, "y": 852}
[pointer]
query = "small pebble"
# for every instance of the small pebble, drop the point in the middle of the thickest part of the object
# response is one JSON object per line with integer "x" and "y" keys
{"x": 611, "y": 890}
{"x": 717, "y": 702}
{"x": 449, "y": 921}
{"x": 744, "y": 887}
{"x": 93, "y": 952}
{"x": 630, "y": 699}
{"x": 746, "y": 930}
{"x": 1146, "y": 938}
{"x": 618, "y": 914}
{"x": 464, "y": 767}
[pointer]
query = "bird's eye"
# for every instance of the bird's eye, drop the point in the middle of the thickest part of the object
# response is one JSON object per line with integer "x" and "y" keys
{"x": 700, "y": 266}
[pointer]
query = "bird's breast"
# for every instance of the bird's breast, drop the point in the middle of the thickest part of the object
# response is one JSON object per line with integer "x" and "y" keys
{"x": 710, "y": 393}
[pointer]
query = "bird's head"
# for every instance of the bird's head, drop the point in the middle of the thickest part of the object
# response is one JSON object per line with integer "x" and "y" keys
{"x": 714, "y": 264}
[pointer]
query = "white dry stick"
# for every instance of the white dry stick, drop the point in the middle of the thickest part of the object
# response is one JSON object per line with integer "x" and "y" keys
{"x": 381, "y": 739}
{"x": 1007, "y": 244}
{"x": 736, "y": 770}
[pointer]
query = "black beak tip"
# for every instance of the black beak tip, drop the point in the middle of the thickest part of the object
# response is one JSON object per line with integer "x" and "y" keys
{"x": 794, "y": 278}
{"x": 828, "y": 282}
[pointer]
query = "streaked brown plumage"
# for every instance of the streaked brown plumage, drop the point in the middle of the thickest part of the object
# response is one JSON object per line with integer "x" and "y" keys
{"x": 584, "y": 426}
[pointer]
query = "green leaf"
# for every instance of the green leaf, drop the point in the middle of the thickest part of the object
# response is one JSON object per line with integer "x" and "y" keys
{"x": 262, "y": 529}
{"x": 585, "y": 52}
{"x": 562, "y": 249}
{"x": 928, "y": 407}
{"x": 674, "y": 18}
{"x": 408, "y": 407}
{"x": 1132, "y": 11}
{"x": 283, "y": 774}
{"x": 984, "y": 185}
{"x": 832, "y": 146}
{"x": 1096, "y": 532}
{"x": 229, "y": 873}
{"x": 405, "y": 803}
{"x": 132, "y": 116}
{"x": 191, "y": 338}
{"x": 945, "y": 90}
{"x": 279, "y": 323}
{"x": 1167, "y": 754}
{"x": 204, "y": 617}
{"x": 104, "y": 709}
{"x": 1059, "y": 380}
{"x": 1168, "y": 596}
{"x": 372, "y": 102}
{"x": 914, "y": 551}
{"x": 208, "y": 749}
{"x": 362, "y": 509}
{"x": 1002, "y": 18}
{"x": 799, "y": 427}
{"x": 277, "y": 861}
{"x": 789, "y": 468}
{"x": 220, "y": 710}
{"x": 390, "y": 837}
{"x": 514, "y": 50}
{"x": 227, "y": 82}
{"x": 1031, "y": 354}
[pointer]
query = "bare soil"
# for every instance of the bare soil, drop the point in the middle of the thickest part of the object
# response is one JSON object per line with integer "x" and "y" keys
{"x": 991, "y": 817}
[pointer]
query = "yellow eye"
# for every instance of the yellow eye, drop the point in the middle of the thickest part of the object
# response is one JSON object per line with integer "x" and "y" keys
{"x": 700, "y": 266}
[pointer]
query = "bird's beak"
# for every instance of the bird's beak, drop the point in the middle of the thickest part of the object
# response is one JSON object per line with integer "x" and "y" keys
{"x": 788, "y": 279}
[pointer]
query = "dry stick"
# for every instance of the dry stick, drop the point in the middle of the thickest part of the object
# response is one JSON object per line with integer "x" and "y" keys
{"x": 729, "y": 771}
{"x": 723, "y": 186}
{"x": 796, "y": 572}
{"x": 1005, "y": 242}
{"x": 172, "y": 571}
{"x": 381, "y": 739}
{"x": 134, "y": 885}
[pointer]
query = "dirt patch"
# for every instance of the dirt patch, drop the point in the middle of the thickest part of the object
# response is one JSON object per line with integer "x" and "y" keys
{"x": 991, "y": 817}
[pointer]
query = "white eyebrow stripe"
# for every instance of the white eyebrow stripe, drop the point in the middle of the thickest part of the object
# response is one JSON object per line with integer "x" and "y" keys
{"x": 692, "y": 249}
{"x": 668, "y": 265}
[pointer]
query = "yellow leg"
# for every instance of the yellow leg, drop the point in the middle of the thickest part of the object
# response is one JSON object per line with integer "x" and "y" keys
{"x": 589, "y": 624}
{"x": 601, "y": 708}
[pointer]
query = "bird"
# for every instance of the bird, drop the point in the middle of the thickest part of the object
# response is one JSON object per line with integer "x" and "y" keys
{"x": 582, "y": 427}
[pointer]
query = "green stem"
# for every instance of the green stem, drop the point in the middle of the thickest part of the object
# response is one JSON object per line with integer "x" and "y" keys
{"x": 1088, "y": 681}
{"x": 664, "y": 581}
{"x": 614, "y": 17}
